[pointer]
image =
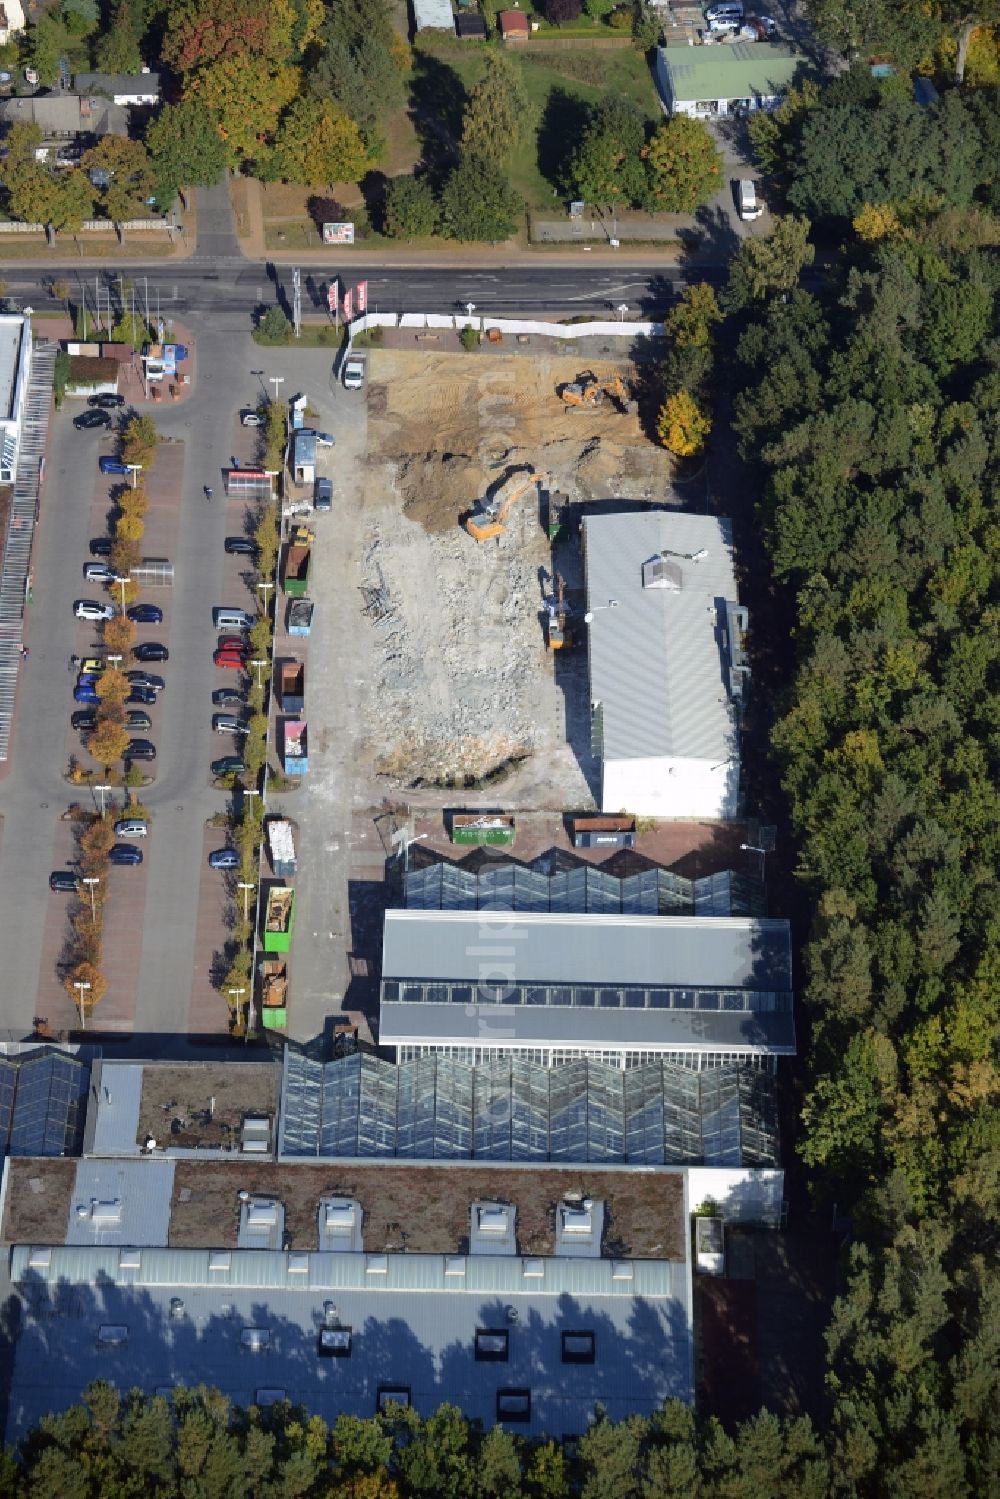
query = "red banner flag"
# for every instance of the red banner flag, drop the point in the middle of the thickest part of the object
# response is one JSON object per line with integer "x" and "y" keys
{"x": 362, "y": 295}
{"x": 348, "y": 306}
{"x": 332, "y": 294}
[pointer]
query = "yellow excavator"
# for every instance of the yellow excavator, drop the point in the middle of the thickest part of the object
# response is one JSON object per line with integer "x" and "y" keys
{"x": 587, "y": 391}
{"x": 490, "y": 516}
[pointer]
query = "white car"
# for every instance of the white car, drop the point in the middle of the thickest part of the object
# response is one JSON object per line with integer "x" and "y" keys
{"x": 250, "y": 419}
{"x": 131, "y": 827}
{"x": 749, "y": 204}
{"x": 98, "y": 572}
{"x": 90, "y": 609}
{"x": 353, "y": 374}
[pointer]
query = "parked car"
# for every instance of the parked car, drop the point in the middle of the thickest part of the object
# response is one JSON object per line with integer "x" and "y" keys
{"x": 136, "y": 719}
{"x": 140, "y": 749}
{"x": 353, "y": 373}
{"x": 85, "y": 693}
{"x": 225, "y": 697}
{"x": 107, "y": 399}
{"x": 88, "y": 679}
{"x": 92, "y": 666}
{"x": 231, "y": 643}
{"x": 241, "y": 546}
{"x": 749, "y": 205}
{"x": 112, "y": 466}
{"x": 65, "y": 881}
{"x": 91, "y": 609}
{"x": 90, "y": 420}
{"x": 98, "y": 572}
{"x": 145, "y": 614}
{"x": 224, "y": 858}
{"x": 101, "y": 546}
{"x": 226, "y": 723}
{"x": 251, "y": 419}
{"x": 231, "y": 660}
{"x": 125, "y": 853}
{"x": 325, "y": 439}
{"x": 144, "y": 695}
{"x": 323, "y": 496}
{"x": 146, "y": 679}
{"x": 85, "y": 720}
{"x": 151, "y": 650}
{"x": 228, "y": 765}
{"x": 131, "y": 827}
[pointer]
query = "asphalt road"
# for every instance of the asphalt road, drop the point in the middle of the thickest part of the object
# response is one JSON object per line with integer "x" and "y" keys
{"x": 227, "y": 290}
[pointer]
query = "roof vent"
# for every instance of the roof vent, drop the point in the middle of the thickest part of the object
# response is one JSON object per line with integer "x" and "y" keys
{"x": 262, "y": 1215}
{"x": 578, "y": 1218}
{"x": 256, "y": 1339}
{"x": 493, "y": 1219}
{"x": 176, "y": 1307}
{"x": 660, "y": 572}
{"x": 106, "y": 1212}
{"x": 339, "y": 1215}
{"x": 512, "y": 1314}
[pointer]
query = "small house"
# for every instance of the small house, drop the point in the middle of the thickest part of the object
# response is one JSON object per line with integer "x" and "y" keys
{"x": 138, "y": 89}
{"x": 433, "y": 15}
{"x": 513, "y": 26}
{"x": 69, "y": 124}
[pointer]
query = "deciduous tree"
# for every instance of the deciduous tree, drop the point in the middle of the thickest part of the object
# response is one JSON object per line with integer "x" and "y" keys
{"x": 684, "y": 164}
{"x": 318, "y": 144}
{"x": 186, "y": 149}
{"x": 129, "y": 173}
{"x": 769, "y": 265}
{"x": 607, "y": 167}
{"x": 496, "y": 115}
{"x": 411, "y": 209}
{"x": 478, "y": 202}
{"x": 682, "y": 426}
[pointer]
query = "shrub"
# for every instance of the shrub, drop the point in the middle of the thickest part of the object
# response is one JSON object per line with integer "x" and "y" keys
{"x": 411, "y": 208}
{"x": 273, "y": 327}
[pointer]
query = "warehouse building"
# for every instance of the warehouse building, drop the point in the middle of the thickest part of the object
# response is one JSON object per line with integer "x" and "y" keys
{"x": 15, "y": 371}
{"x": 668, "y": 673}
{"x": 735, "y": 78}
{"x": 698, "y": 991}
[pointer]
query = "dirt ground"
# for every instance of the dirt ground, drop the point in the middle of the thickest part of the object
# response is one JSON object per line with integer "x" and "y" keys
{"x": 208, "y": 1100}
{"x": 38, "y": 1199}
{"x": 463, "y": 687}
{"x": 426, "y": 1209}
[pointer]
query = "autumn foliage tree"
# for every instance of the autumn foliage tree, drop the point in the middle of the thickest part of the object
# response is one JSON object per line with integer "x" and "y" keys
{"x": 682, "y": 426}
{"x": 317, "y": 143}
{"x": 684, "y": 166}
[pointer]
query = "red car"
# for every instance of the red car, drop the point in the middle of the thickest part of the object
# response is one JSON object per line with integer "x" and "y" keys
{"x": 235, "y": 660}
{"x": 231, "y": 643}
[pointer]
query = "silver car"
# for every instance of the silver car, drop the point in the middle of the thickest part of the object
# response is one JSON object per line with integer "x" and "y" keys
{"x": 131, "y": 827}
{"x": 227, "y": 723}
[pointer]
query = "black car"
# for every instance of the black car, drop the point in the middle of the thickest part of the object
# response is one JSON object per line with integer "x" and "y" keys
{"x": 109, "y": 401}
{"x": 125, "y": 853}
{"x": 140, "y": 749}
{"x": 241, "y": 546}
{"x": 85, "y": 720}
{"x": 228, "y": 697}
{"x": 146, "y": 679}
{"x": 87, "y": 420}
{"x": 228, "y": 765}
{"x": 150, "y": 650}
{"x": 136, "y": 719}
{"x": 65, "y": 881}
{"x": 144, "y": 695}
{"x": 101, "y": 546}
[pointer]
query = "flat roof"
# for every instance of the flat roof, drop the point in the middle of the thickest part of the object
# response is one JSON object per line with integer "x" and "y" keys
{"x": 711, "y": 952}
{"x": 730, "y": 70}
{"x": 120, "y": 1202}
{"x": 412, "y": 1322}
{"x": 12, "y": 331}
{"x": 656, "y": 663}
{"x": 433, "y": 15}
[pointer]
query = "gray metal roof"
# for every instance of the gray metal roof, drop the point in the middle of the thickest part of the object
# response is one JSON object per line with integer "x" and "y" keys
{"x": 708, "y": 952}
{"x": 413, "y": 1321}
{"x": 67, "y": 114}
{"x": 639, "y": 1030}
{"x": 119, "y": 1093}
{"x": 656, "y": 664}
{"x": 435, "y": 15}
{"x": 437, "y": 1108}
{"x": 134, "y": 84}
{"x": 140, "y": 1189}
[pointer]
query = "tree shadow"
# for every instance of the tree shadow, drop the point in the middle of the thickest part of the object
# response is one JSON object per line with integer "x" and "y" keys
{"x": 437, "y": 103}
{"x": 713, "y": 241}
{"x": 563, "y": 121}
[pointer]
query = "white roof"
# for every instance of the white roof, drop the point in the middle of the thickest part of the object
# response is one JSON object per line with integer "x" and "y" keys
{"x": 431, "y": 15}
{"x": 656, "y": 663}
{"x": 12, "y": 330}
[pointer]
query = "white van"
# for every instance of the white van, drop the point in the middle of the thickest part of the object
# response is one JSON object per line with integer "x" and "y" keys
{"x": 746, "y": 199}
{"x": 131, "y": 827}
{"x": 232, "y": 619}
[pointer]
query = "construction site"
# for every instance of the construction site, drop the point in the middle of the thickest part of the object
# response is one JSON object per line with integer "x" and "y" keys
{"x": 479, "y": 468}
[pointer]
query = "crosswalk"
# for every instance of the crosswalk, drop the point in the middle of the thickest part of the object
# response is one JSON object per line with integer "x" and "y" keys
{"x": 21, "y": 528}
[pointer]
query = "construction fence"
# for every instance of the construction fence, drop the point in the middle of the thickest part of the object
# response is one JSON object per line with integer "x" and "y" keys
{"x": 455, "y": 322}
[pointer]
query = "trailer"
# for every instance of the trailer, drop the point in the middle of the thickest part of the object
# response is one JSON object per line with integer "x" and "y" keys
{"x": 604, "y": 832}
{"x": 279, "y": 919}
{"x": 281, "y": 843}
{"x": 300, "y": 616}
{"x": 292, "y": 686}
{"x": 298, "y": 562}
{"x": 483, "y": 827}
{"x": 273, "y": 993}
{"x": 295, "y": 747}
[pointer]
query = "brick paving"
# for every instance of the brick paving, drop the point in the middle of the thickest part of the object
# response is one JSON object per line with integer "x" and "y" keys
{"x": 208, "y": 1012}
{"x": 124, "y": 913}
{"x": 52, "y": 1002}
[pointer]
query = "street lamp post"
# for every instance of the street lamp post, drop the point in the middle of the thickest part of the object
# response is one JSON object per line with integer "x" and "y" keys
{"x": 470, "y": 308}
{"x": 276, "y": 380}
{"x": 81, "y": 985}
{"x": 237, "y": 994}
{"x": 259, "y": 375}
{"x": 92, "y": 880}
{"x": 259, "y": 663}
{"x": 103, "y": 791}
{"x": 622, "y": 309}
{"x": 265, "y": 586}
{"x": 246, "y": 888}
{"x": 134, "y": 468}
{"x": 123, "y": 582}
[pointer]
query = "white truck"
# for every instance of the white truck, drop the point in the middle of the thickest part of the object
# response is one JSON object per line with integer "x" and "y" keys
{"x": 353, "y": 373}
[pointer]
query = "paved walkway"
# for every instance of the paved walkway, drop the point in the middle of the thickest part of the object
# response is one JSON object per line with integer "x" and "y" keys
{"x": 216, "y": 225}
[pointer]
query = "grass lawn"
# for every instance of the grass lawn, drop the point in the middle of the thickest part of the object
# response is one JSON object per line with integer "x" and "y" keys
{"x": 561, "y": 85}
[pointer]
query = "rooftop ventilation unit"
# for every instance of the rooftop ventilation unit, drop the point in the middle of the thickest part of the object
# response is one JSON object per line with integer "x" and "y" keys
{"x": 660, "y": 572}
{"x": 106, "y": 1212}
{"x": 339, "y": 1217}
{"x": 262, "y": 1215}
{"x": 737, "y": 661}
{"x": 256, "y": 1339}
{"x": 112, "y": 1335}
{"x": 494, "y": 1220}
{"x": 578, "y": 1218}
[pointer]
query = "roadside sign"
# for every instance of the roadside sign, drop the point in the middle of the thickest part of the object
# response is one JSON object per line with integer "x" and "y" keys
{"x": 338, "y": 234}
